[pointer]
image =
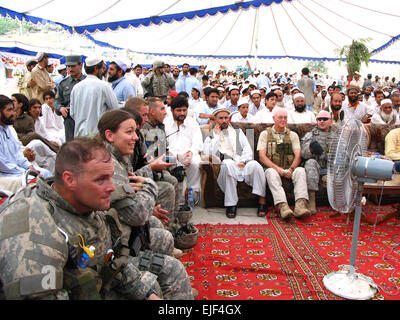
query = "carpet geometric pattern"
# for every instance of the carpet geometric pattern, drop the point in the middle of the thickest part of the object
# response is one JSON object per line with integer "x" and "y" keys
{"x": 287, "y": 260}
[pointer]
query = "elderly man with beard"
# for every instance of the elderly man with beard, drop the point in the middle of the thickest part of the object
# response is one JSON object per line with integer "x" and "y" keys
{"x": 13, "y": 164}
{"x": 300, "y": 114}
{"x": 233, "y": 148}
{"x": 314, "y": 149}
{"x": 279, "y": 151}
{"x": 354, "y": 108}
{"x": 386, "y": 115}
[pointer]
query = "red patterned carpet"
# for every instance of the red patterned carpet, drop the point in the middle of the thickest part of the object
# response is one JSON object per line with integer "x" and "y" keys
{"x": 288, "y": 260}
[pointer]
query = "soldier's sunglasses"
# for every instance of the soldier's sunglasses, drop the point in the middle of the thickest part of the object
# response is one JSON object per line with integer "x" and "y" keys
{"x": 322, "y": 119}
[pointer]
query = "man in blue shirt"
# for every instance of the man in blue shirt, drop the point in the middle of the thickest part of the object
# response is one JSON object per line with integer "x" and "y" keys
{"x": 121, "y": 86}
{"x": 232, "y": 103}
{"x": 13, "y": 164}
{"x": 191, "y": 82}
{"x": 204, "y": 112}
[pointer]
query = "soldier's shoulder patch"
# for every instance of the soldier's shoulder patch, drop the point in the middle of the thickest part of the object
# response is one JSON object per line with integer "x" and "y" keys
{"x": 15, "y": 219}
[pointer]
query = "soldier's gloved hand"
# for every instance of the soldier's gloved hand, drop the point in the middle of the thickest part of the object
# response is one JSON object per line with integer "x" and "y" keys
{"x": 316, "y": 148}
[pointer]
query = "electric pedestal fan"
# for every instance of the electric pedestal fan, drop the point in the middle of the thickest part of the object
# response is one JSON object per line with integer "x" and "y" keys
{"x": 348, "y": 170}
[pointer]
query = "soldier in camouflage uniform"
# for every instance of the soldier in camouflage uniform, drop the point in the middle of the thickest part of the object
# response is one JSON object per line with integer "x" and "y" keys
{"x": 45, "y": 226}
{"x": 157, "y": 83}
{"x": 154, "y": 135}
{"x": 314, "y": 149}
{"x": 134, "y": 197}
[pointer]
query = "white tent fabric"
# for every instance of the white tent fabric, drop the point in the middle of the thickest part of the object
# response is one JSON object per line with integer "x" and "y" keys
{"x": 280, "y": 28}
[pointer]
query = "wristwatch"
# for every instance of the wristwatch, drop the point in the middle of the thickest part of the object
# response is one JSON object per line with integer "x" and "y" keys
{"x": 291, "y": 168}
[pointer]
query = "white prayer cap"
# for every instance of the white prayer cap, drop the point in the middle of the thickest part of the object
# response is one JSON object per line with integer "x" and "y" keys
{"x": 275, "y": 87}
{"x": 255, "y": 92}
{"x": 92, "y": 61}
{"x": 386, "y": 94}
{"x": 297, "y": 95}
{"x": 265, "y": 88}
{"x": 257, "y": 72}
{"x": 386, "y": 101}
{"x": 61, "y": 67}
{"x": 221, "y": 88}
{"x": 40, "y": 56}
{"x": 121, "y": 64}
{"x": 357, "y": 73}
{"x": 295, "y": 88}
{"x": 242, "y": 101}
{"x": 233, "y": 88}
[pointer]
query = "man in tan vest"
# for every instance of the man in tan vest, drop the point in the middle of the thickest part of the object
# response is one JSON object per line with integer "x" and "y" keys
{"x": 279, "y": 150}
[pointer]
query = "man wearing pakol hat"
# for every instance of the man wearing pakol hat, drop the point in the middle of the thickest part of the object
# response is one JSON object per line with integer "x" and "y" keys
{"x": 122, "y": 87}
{"x": 62, "y": 73}
{"x": 157, "y": 83}
{"x": 41, "y": 77}
{"x": 90, "y": 99}
{"x": 314, "y": 149}
{"x": 300, "y": 114}
{"x": 62, "y": 102}
{"x": 386, "y": 115}
{"x": 279, "y": 151}
{"x": 26, "y": 84}
{"x": 236, "y": 154}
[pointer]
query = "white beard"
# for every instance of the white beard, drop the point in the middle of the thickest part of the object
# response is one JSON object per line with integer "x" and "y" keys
{"x": 386, "y": 117}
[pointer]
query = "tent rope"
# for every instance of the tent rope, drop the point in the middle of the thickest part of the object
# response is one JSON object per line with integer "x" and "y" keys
{"x": 335, "y": 44}
{"x": 277, "y": 30}
{"x": 360, "y": 25}
{"x": 254, "y": 29}
{"x": 229, "y": 31}
{"x": 304, "y": 38}
{"x": 172, "y": 5}
{"x": 352, "y": 4}
{"x": 191, "y": 31}
{"x": 38, "y": 7}
{"x": 96, "y": 15}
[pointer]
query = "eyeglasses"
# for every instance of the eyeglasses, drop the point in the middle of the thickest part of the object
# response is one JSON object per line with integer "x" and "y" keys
{"x": 322, "y": 119}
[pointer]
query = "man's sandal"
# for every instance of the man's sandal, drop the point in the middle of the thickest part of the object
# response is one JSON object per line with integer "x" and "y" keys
{"x": 231, "y": 212}
{"x": 262, "y": 210}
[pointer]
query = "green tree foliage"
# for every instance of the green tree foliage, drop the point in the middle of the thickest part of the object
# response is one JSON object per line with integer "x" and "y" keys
{"x": 355, "y": 54}
{"x": 8, "y": 24}
{"x": 317, "y": 66}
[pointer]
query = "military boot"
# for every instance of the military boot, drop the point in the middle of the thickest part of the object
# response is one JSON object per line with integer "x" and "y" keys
{"x": 311, "y": 202}
{"x": 284, "y": 210}
{"x": 300, "y": 209}
{"x": 195, "y": 292}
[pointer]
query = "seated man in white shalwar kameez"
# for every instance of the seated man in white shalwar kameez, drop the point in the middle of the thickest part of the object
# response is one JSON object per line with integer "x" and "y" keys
{"x": 233, "y": 148}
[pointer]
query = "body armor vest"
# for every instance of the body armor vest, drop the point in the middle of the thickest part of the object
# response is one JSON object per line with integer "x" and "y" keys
{"x": 280, "y": 152}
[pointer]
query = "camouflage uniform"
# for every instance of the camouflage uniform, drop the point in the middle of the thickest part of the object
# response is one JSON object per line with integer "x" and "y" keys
{"x": 154, "y": 136}
{"x": 39, "y": 262}
{"x": 160, "y": 85}
{"x": 136, "y": 208}
{"x": 315, "y": 165}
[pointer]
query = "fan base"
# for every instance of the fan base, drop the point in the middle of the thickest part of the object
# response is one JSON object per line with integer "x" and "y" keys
{"x": 353, "y": 286}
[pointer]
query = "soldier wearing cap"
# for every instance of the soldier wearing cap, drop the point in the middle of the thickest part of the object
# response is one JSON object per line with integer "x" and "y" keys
{"x": 233, "y": 148}
{"x": 157, "y": 83}
{"x": 62, "y": 103}
{"x": 41, "y": 77}
{"x": 314, "y": 149}
{"x": 91, "y": 98}
{"x": 121, "y": 86}
{"x": 26, "y": 83}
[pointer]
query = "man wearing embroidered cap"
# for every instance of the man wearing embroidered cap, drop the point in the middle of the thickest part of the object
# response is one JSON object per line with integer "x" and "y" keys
{"x": 314, "y": 149}
{"x": 236, "y": 154}
{"x": 62, "y": 102}
{"x": 91, "y": 98}
{"x": 41, "y": 77}
{"x": 386, "y": 115}
{"x": 122, "y": 87}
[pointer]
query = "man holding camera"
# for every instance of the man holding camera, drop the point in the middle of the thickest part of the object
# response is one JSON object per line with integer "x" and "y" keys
{"x": 314, "y": 149}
